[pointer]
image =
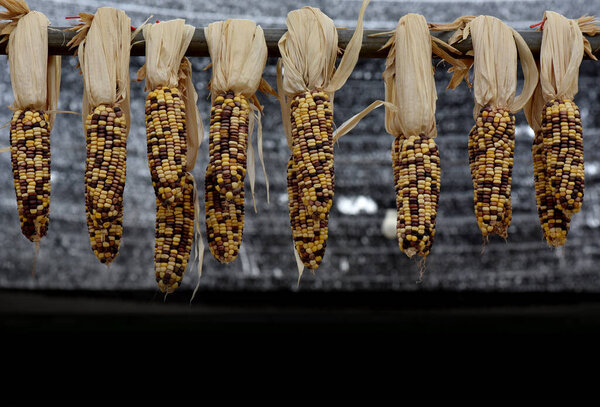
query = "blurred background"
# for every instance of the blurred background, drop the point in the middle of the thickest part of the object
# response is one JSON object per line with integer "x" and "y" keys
{"x": 359, "y": 256}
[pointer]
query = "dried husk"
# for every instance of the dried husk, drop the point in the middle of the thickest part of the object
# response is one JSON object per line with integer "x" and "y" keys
{"x": 410, "y": 100}
{"x": 495, "y": 50}
{"x": 238, "y": 53}
{"x": 563, "y": 46}
{"x": 409, "y": 81}
{"x": 103, "y": 40}
{"x": 35, "y": 76}
{"x": 533, "y": 109}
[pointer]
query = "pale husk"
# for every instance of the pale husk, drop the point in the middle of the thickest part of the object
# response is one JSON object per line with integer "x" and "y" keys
{"x": 103, "y": 42}
{"x": 409, "y": 81}
{"x": 495, "y": 50}
{"x": 35, "y": 76}
{"x": 238, "y": 53}
{"x": 410, "y": 93}
{"x": 166, "y": 44}
{"x": 560, "y": 56}
{"x": 167, "y": 66}
{"x": 533, "y": 109}
{"x": 588, "y": 26}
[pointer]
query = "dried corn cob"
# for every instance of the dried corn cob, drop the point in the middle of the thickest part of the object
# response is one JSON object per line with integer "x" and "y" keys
{"x": 563, "y": 146}
{"x": 417, "y": 175}
{"x": 555, "y": 223}
{"x": 174, "y": 238}
{"x": 228, "y": 142}
{"x": 224, "y": 221}
{"x": 166, "y": 143}
{"x": 225, "y": 175}
{"x": 312, "y": 150}
{"x": 105, "y": 171}
{"x": 309, "y": 232}
{"x": 30, "y": 155}
{"x": 35, "y": 78}
{"x": 491, "y": 148}
{"x": 105, "y": 240}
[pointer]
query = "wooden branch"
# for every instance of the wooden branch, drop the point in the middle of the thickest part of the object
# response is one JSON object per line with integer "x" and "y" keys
{"x": 371, "y": 46}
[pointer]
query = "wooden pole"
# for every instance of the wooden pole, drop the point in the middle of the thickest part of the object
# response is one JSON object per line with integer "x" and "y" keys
{"x": 371, "y": 46}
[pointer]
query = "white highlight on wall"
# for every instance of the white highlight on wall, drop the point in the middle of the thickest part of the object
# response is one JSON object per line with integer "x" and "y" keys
{"x": 353, "y": 205}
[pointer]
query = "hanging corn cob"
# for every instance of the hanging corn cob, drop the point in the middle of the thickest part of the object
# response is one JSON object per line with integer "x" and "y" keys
{"x": 555, "y": 223}
{"x": 410, "y": 117}
{"x": 103, "y": 42}
{"x": 35, "y": 78}
{"x": 308, "y": 53}
{"x": 238, "y": 52}
{"x": 560, "y": 56}
{"x": 410, "y": 86}
{"x": 557, "y": 148}
{"x": 492, "y": 139}
{"x": 174, "y": 132}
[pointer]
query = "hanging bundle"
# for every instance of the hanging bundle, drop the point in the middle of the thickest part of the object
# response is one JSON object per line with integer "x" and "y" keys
{"x": 307, "y": 85}
{"x": 410, "y": 86}
{"x": 492, "y": 139}
{"x": 554, "y": 117}
{"x": 103, "y": 42}
{"x": 238, "y": 53}
{"x": 174, "y": 132}
{"x": 35, "y": 78}
{"x": 410, "y": 98}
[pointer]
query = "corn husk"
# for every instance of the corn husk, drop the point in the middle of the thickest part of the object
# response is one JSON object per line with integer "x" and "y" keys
{"x": 103, "y": 43}
{"x": 409, "y": 81}
{"x": 563, "y": 46}
{"x": 410, "y": 93}
{"x": 238, "y": 52}
{"x": 495, "y": 50}
{"x": 35, "y": 76}
{"x": 533, "y": 109}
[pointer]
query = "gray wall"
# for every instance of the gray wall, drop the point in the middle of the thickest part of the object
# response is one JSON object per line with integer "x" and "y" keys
{"x": 358, "y": 255}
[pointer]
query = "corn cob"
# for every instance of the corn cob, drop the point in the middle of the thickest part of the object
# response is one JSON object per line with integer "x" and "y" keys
{"x": 228, "y": 143}
{"x": 555, "y": 223}
{"x": 224, "y": 221}
{"x": 30, "y": 155}
{"x": 417, "y": 174}
{"x": 106, "y": 240}
{"x": 166, "y": 143}
{"x": 174, "y": 238}
{"x": 225, "y": 175}
{"x": 312, "y": 150}
{"x": 309, "y": 232}
{"x": 491, "y": 148}
{"x": 563, "y": 146}
{"x": 106, "y": 132}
